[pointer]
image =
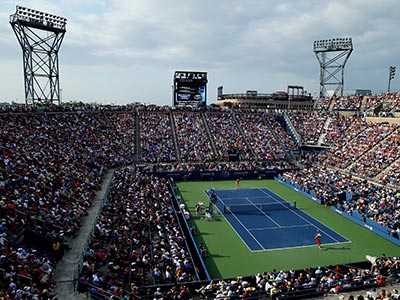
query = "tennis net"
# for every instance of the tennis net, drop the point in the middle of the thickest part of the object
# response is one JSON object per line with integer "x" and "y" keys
{"x": 258, "y": 207}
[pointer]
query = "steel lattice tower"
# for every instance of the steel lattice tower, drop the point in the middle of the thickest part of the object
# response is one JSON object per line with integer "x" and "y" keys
{"x": 332, "y": 68}
{"x": 40, "y": 36}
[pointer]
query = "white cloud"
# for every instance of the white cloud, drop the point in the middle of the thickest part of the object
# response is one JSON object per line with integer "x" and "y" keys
{"x": 130, "y": 48}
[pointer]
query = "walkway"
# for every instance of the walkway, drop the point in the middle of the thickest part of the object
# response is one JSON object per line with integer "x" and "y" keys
{"x": 67, "y": 267}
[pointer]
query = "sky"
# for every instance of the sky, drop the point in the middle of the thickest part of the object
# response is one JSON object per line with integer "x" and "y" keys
{"x": 124, "y": 51}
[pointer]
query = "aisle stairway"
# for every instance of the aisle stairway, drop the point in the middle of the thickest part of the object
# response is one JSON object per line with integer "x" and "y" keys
{"x": 292, "y": 131}
{"x": 174, "y": 137}
{"x": 321, "y": 138}
{"x": 67, "y": 268}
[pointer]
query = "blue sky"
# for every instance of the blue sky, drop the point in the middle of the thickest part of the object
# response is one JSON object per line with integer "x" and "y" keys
{"x": 121, "y": 51}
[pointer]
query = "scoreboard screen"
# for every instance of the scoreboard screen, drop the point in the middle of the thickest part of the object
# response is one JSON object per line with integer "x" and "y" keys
{"x": 190, "y": 88}
{"x": 191, "y": 92}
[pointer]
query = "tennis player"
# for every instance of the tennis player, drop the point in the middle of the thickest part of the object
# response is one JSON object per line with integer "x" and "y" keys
{"x": 237, "y": 183}
{"x": 318, "y": 240}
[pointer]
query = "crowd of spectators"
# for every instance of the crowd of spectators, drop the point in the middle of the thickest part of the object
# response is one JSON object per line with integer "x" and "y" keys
{"x": 67, "y": 107}
{"x": 365, "y": 149}
{"x": 350, "y": 102}
{"x": 243, "y": 134}
{"x": 375, "y": 105}
{"x": 344, "y": 155}
{"x": 388, "y": 101}
{"x": 267, "y": 144}
{"x": 219, "y": 166}
{"x": 385, "y": 266}
{"x": 379, "y": 157}
{"x": 156, "y": 139}
{"x": 227, "y": 136}
{"x": 137, "y": 240}
{"x": 341, "y": 129}
{"x": 325, "y": 184}
{"x": 309, "y": 282}
{"x": 50, "y": 167}
{"x": 125, "y": 126}
{"x": 309, "y": 124}
{"x": 391, "y": 175}
{"x": 193, "y": 142}
{"x": 322, "y": 103}
{"x": 385, "y": 102}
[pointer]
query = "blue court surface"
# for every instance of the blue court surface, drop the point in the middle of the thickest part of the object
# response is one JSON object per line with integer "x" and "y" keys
{"x": 265, "y": 221}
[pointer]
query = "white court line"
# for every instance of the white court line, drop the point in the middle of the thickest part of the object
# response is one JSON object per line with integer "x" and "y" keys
{"x": 241, "y": 197}
{"x": 280, "y": 227}
{"x": 298, "y": 247}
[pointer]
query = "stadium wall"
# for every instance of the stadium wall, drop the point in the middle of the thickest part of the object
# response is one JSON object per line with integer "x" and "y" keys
{"x": 369, "y": 224}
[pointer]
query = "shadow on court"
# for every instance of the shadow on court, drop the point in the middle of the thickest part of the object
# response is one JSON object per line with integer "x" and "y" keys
{"x": 219, "y": 256}
{"x": 327, "y": 248}
{"x": 207, "y": 233}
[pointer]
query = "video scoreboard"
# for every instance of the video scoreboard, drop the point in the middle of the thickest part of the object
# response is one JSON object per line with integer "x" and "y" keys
{"x": 190, "y": 88}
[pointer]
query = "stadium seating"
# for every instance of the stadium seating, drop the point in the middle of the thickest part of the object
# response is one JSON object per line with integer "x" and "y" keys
{"x": 52, "y": 161}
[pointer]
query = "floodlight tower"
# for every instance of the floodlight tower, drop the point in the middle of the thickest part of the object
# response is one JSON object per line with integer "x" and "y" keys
{"x": 332, "y": 69}
{"x": 40, "y": 36}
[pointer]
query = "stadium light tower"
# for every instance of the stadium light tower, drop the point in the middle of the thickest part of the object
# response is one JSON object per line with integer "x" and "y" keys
{"x": 332, "y": 68}
{"x": 40, "y": 36}
{"x": 392, "y": 73}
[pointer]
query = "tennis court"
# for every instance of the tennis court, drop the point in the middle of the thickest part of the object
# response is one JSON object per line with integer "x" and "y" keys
{"x": 265, "y": 221}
